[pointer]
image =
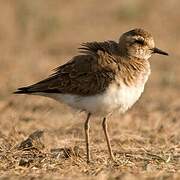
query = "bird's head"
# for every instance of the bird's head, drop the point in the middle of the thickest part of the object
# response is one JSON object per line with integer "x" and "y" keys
{"x": 138, "y": 43}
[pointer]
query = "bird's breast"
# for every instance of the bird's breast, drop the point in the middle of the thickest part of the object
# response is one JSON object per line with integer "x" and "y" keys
{"x": 123, "y": 97}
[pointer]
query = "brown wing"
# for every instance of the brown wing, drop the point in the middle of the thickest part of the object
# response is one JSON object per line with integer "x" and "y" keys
{"x": 86, "y": 74}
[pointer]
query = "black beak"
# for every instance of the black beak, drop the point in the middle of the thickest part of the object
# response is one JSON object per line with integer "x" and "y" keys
{"x": 158, "y": 51}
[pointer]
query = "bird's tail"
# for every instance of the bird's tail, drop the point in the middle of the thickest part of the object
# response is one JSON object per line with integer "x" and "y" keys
{"x": 23, "y": 90}
{"x": 39, "y": 87}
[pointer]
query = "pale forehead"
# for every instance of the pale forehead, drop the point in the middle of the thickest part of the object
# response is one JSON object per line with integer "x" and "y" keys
{"x": 150, "y": 42}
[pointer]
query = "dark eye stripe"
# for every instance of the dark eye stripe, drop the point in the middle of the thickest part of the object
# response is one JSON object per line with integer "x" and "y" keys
{"x": 139, "y": 41}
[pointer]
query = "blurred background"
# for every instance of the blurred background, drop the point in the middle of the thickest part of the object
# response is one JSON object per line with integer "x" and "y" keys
{"x": 38, "y": 35}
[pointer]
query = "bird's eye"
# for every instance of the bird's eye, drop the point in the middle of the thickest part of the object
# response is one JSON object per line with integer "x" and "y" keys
{"x": 139, "y": 41}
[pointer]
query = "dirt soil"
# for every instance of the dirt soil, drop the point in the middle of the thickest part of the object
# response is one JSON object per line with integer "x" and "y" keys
{"x": 43, "y": 139}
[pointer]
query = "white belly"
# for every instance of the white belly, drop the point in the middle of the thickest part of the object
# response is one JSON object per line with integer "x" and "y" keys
{"x": 114, "y": 98}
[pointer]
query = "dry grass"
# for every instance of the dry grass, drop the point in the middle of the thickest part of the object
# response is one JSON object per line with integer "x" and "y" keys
{"x": 37, "y": 36}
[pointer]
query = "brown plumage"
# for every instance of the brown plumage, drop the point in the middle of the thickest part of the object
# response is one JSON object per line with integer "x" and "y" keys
{"x": 92, "y": 72}
{"x": 105, "y": 77}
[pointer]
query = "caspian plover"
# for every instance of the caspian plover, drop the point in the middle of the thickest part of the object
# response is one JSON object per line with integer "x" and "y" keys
{"x": 106, "y": 77}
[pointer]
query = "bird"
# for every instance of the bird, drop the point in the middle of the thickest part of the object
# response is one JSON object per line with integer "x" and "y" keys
{"x": 103, "y": 78}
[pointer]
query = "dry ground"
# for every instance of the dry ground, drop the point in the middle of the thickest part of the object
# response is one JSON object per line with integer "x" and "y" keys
{"x": 38, "y": 35}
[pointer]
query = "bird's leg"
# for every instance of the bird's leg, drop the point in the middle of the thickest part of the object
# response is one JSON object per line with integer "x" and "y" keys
{"x": 86, "y": 128}
{"x": 104, "y": 125}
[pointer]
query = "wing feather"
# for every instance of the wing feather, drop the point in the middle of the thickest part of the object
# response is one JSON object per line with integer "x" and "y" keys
{"x": 86, "y": 74}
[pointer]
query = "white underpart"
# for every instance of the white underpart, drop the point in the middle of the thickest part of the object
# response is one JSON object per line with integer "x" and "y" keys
{"x": 115, "y": 98}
